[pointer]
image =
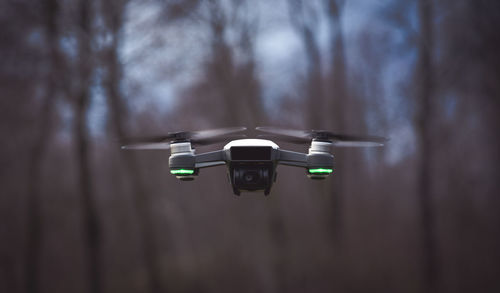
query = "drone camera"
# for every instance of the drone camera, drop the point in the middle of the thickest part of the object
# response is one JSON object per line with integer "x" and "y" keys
{"x": 251, "y": 169}
{"x": 251, "y": 177}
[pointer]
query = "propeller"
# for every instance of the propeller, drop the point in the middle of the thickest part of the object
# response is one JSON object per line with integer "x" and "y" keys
{"x": 162, "y": 142}
{"x": 338, "y": 140}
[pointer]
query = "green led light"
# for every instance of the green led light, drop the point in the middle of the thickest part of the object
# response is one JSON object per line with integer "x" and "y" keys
{"x": 182, "y": 172}
{"x": 321, "y": 171}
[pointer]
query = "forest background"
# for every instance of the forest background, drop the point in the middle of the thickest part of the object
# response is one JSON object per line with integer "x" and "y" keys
{"x": 78, "y": 214}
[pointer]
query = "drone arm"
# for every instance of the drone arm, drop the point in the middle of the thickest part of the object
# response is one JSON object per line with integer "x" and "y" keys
{"x": 210, "y": 159}
{"x": 292, "y": 158}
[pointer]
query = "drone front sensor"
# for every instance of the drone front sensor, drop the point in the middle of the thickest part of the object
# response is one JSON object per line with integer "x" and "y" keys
{"x": 251, "y": 163}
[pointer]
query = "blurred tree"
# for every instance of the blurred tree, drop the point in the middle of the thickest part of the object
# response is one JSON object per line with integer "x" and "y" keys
{"x": 84, "y": 20}
{"x": 339, "y": 101}
{"x": 338, "y": 87}
{"x": 424, "y": 117}
{"x": 49, "y": 50}
{"x": 221, "y": 66}
{"x": 113, "y": 15}
{"x": 42, "y": 137}
{"x": 229, "y": 91}
{"x": 305, "y": 17}
{"x": 233, "y": 79}
{"x": 468, "y": 142}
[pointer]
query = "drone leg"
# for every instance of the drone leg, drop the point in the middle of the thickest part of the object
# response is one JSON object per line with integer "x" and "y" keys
{"x": 236, "y": 192}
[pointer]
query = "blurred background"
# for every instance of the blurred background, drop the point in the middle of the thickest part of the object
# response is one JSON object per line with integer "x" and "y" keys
{"x": 421, "y": 214}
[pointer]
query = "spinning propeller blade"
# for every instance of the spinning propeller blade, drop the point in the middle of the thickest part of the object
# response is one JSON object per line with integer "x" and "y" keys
{"x": 338, "y": 140}
{"x": 162, "y": 142}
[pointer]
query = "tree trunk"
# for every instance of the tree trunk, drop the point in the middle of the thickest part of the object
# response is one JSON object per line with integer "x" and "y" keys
{"x": 35, "y": 219}
{"x": 90, "y": 214}
{"x": 222, "y": 68}
{"x": 315, "y": 82}
{"x": 118, "y": 115}
{"x": 424, "y": 119}
{"x": 339, "y": 103}
{"x": 305, "y": 27}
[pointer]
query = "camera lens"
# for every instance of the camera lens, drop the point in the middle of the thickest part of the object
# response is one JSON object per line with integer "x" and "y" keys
{"x": 251, "y": 177}
{"x": 248, "y": 177}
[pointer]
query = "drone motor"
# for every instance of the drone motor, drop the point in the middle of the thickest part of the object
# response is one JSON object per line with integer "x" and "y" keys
{"x": 182, "y": 161}
{"x": 319, "y": 160}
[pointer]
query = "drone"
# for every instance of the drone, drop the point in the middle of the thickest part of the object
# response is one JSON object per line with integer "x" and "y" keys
{"x": 251, "y": 162}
